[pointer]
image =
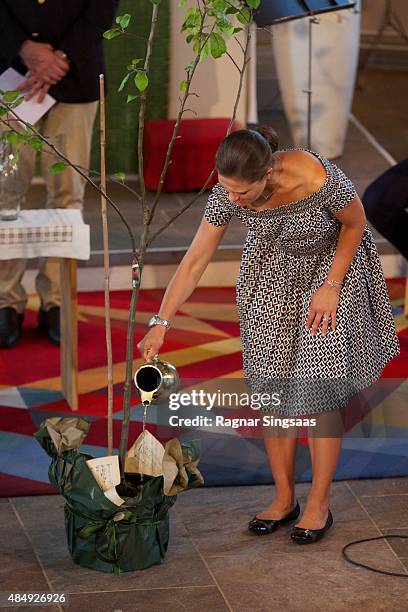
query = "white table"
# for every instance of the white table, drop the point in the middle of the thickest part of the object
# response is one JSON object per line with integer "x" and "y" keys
{"x": 54, "y": 233}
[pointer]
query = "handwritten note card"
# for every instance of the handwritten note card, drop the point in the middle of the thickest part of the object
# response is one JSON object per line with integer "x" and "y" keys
{"x": 107, "y": 474}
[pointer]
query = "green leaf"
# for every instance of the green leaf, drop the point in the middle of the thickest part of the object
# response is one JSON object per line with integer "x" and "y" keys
{"x": 120, "y": 176}
{"x": 124, "y": 81}
{"x": 113, "y": 33}
{"x": 205, "y": 52}
{"x": 141, "y": 80}
{"x": 218, "y": 46}
{"x": 219, "y": 5}
{"x": 131, "y": 97}
{"x": 11, "y": 96}
{"x": 182, "y": 3}
{"x": 254, "y": 4}
{"x": 192, "y": 19}
{"x": 196, "y": 44}
{"x": 123, "y": 20}
{"x": 14, "y": 138}
{"x": 244, "y": 16}
{"x": 131, "y": 67}
{"x": 231, "y": 10}
{"x": 225, "y": 26}
{"x": 183, "y": 85}
{"x": 155, "y": 1}
{"x": 3, "y": 111}
{"x": 236, "y": 30}
{"x": 17, "y": 102}
{"x": 57, "y": 168}
{"x": 35, "y": 142}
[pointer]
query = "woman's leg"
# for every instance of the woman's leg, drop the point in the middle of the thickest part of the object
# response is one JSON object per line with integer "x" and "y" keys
{"x": 281, "y": 448}
{"x": 325, "y": 442}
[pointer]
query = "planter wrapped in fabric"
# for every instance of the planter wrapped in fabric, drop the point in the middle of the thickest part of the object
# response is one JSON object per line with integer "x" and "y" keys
{"x": 102, "y": 535}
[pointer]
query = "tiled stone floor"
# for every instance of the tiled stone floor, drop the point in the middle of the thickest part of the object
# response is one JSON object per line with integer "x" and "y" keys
{"x": 213, "y": 564}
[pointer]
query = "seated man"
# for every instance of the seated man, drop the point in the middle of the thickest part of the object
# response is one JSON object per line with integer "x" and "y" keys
{"x": 386, "y": 205}
{"x": 58, "y": 47}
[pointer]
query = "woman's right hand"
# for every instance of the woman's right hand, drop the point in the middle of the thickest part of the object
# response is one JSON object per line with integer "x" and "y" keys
{"x": 149, "y": 345}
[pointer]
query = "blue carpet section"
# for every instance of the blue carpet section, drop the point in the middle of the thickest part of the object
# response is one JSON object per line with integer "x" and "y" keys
{"x": 230, "y": 459}
{"x": 22, "y": 456}
{"x": 39, "y": 397}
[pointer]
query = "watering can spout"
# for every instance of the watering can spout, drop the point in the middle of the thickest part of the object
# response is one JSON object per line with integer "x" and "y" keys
{"x": 156, "y": 381}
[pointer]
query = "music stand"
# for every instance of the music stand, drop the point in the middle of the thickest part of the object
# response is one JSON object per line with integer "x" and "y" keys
{"x": 273, "y": 12}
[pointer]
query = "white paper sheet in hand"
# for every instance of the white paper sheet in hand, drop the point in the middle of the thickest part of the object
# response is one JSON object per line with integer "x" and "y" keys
{"x": 32, "y": 110}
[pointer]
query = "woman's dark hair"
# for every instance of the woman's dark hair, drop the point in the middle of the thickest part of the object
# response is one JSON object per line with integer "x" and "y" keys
{"x": 247, "y": 154}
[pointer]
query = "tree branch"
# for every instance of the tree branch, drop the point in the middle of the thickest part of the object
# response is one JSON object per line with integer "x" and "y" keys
{"x": 234, "y": 114}
{"x": 178, "y": 120}
{"x": 69, "y": 163}
{"x": 127, "y": 388}
{"x": 233, "y": 61}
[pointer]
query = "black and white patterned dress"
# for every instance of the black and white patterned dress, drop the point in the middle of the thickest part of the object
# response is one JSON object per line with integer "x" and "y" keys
{"x": 286, "y": 257}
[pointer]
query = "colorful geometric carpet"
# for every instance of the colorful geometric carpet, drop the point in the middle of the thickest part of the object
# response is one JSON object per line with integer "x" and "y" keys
{"x": 203, "y": 343}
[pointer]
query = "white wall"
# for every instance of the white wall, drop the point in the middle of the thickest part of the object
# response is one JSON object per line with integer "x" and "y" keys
{"x": 216, "y": 81}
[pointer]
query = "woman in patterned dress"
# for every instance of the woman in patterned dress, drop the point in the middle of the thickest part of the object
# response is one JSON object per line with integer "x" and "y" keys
{"x": 315, "y": 316}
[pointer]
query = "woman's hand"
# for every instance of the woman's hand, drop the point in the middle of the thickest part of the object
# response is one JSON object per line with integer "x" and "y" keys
{"x": 149, "y": 345}
{"x": 323, "y": 305}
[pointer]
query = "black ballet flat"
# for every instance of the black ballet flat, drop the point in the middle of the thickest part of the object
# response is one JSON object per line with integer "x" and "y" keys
{"x": 267, "y": 526}
{"x": 308, "y": 536}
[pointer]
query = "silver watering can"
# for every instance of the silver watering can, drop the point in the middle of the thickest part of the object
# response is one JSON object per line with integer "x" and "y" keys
{"x": 156, "y": 381}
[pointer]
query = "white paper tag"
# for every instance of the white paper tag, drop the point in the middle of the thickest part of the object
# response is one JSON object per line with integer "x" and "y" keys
{"x": 30, "y": 111}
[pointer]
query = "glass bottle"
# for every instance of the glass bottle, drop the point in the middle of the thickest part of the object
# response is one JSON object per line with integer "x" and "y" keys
{"x": 10, "y": 191}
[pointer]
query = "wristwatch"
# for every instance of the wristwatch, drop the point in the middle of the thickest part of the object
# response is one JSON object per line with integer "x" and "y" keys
{"x": 157, "y": 320}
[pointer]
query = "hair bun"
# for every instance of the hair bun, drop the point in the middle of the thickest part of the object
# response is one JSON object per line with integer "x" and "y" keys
{"x": 269, "y": 134}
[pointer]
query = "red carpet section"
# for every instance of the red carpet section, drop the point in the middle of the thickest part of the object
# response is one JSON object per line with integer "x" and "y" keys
{"x": 203, "y": 343}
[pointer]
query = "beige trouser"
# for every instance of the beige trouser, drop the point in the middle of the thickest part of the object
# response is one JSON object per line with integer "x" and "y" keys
{"x": 69, "y": 127}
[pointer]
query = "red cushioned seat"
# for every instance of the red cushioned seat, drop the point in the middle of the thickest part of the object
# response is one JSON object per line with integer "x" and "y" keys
{"x": 193, "y": 153}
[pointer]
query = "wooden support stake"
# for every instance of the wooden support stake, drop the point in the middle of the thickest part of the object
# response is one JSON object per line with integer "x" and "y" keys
{"x": 69, "y": 332}
{"x": 106, "y": 261}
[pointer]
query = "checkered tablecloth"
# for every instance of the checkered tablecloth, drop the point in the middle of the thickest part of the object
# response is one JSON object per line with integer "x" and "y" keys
{"x": 56, "y": 232}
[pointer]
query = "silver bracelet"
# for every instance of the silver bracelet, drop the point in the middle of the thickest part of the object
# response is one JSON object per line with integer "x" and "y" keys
{"x": 157, "y": 320}
{"x": 333, "y": 283}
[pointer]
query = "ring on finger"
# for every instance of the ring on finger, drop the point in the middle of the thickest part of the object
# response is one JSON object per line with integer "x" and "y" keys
{"x": 326, "y": 318}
